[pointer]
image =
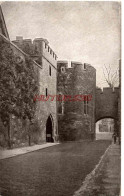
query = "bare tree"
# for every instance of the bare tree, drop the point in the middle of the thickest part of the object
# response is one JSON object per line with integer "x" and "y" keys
{"x": 110, "y": 77}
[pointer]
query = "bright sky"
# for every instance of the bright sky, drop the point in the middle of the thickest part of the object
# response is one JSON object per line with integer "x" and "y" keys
{"x": 80, "y": 31}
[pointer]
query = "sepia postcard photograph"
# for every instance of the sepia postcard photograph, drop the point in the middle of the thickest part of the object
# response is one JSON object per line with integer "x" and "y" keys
{"x": 60, "y": 98}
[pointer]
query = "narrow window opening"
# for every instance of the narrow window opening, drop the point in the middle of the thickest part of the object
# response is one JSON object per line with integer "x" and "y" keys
{"x": 49, "y": 70}
{"x": 86, "y": 106}
{"x": 46, "y": 92}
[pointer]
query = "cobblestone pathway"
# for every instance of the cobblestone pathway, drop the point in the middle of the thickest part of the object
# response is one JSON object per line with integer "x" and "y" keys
{"x": 105, "y": 180}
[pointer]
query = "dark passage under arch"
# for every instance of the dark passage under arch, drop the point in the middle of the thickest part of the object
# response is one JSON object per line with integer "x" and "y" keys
{"x": 49, "y": 130}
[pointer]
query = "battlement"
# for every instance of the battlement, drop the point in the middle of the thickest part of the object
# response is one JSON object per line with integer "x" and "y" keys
{"x": 106, "y": 103}
{"x": 107, "y": 90}
{"x": 67, "y": 63}
{"x": 74, "y": 63}
{"x": 41, "y": 39}
{"x": 35, "y": 47}
{"x": 70, "y": 66}
{"x": 99, "y": 90}
{"x": 62, "y": 62}
{"x": 116, "y": 90}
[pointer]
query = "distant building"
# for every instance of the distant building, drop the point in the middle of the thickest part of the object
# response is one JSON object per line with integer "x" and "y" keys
{"x": 105, "y": 129}
{"x": 106, "y": 125}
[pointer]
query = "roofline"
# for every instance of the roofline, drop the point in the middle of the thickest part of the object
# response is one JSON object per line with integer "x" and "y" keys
{"x": 62, "y": 61}
{"x": 76, "y": 62}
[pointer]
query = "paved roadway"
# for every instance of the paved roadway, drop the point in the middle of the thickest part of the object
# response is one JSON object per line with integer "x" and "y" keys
{"x": 104, "y": 136}
{"x": 55, "y": 171}
{"x": 106, "y": 180}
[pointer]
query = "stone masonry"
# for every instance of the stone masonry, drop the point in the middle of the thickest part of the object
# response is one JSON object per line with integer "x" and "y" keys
{"x": 76, "y": 119}
{"x": 70, "y": 120}
{"x": 107, "y": 103}
{"x": 45, "y": 64}
{"x": 41, "y": 52}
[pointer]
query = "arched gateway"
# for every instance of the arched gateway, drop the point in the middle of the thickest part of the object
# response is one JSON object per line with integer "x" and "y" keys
{"x": 106, "y": 103}
{"x": 49, "y": 129}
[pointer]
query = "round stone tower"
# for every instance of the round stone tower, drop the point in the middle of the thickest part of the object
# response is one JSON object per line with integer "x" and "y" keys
{"x": 76, "y": 113}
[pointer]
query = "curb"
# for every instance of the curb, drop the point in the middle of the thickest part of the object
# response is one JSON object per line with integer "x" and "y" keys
{"x": 91, "y": 175}
{"x": 27, "y": 151}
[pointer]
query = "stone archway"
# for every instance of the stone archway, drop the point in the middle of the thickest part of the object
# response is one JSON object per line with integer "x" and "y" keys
{"x": 49, "y": 129}
{"x": 105, "y": 127}
{"x": 106, "y": 103}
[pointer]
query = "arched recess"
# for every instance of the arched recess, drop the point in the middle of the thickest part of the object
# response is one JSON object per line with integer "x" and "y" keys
{"x": 49, "y": 129}
{"x": 105, "y": 117}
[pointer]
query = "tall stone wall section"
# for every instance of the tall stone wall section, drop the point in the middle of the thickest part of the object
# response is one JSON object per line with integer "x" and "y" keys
{"x": 73, "y": 124}
{"x": 44, "y": 109}
{"x": 107, "y": 103}
{"x": 47, "y": 81}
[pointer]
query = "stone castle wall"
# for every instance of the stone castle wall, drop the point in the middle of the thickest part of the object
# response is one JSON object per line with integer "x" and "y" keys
{"x": 37, "y": 49}
{"x": 44, "y": 108}
{"x": 79, "y": 79}
{"x": 107, "y": 103}
{"x": 47, "y": 81}
{"x": 69, "y": 118}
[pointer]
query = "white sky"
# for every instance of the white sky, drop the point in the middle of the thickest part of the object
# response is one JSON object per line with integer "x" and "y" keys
{"x": 79, "y": 31}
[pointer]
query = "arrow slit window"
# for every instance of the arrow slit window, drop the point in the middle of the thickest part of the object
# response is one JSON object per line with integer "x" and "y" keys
{"x": 85, "y": 107}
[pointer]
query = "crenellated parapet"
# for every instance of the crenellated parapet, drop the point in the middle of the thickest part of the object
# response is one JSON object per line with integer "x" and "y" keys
{"x": 107, "y": 103}
{"x": 107, "y": 91}
{"x": 76, "y": 76}
{"x": 75, "y": 65}
{"x": 37, "y": 49}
